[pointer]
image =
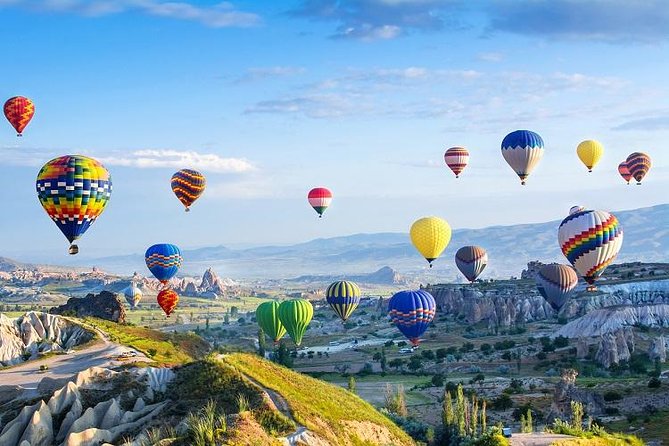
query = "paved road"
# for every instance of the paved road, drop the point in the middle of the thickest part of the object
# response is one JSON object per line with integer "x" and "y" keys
{"x": 536, "y": 439}
{"x": 98, "y": 354}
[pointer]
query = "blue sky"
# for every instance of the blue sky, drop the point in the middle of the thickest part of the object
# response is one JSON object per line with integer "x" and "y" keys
{"x": 269, "y": 99}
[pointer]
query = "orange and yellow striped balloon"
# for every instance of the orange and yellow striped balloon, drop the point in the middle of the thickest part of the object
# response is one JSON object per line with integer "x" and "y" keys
{"x": 168, "y": 300}
{"x": 19, "y": 111}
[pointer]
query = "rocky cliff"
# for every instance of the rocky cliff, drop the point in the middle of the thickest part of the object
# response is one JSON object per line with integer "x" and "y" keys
{"x": 606, "y": 320}
{"x": 105, "y": 305}
{"x": 26, "y": 337}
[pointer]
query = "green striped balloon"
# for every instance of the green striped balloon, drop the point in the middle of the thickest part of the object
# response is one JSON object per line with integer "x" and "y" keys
{"x": 295, "y": 315}
{"x": 267, "y": 316}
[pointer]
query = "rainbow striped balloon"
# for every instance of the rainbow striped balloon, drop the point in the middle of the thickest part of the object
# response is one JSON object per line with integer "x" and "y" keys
{"x": 590, "y": 240}
{"x": 188, "y": 185}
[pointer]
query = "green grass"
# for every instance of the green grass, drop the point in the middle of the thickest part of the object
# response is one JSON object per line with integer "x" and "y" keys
{"x": 655, "y": 427}
{"x": 319, "y": 406}
{"x": 164, "y": 348}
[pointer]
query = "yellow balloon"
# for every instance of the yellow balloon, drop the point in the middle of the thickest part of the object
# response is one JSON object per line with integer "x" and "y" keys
{"x": 430, "y": 236}
{"x": 590, "y": 152}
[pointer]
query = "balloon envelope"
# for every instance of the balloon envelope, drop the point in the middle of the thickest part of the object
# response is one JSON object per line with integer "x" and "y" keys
{"x": 555, "y": 283}
{"x": 638, "y": 165}
{"x": 590, "y": 240}
{"x": 19, "y": 111}
{"x": 590, "y": 152}
{"x": 168, "y": 300}
{"x": 163, "y": 260}
{"x": 295, "y": 315}
{"x": 456, "y": 159}
{"x": 132, "y": 295}
{"x": 624, "y": 172}
{"x": 188, "y": 185}
{"x": 471, "y": 261}
{"x": 343, "y": 297}
{"x": 319, "y": 199}
{"x": 522, "y": 150}
{"x": 74, "y": 191}
{"x": 267, "y": 315}
{"x": 412, "y": 312}
{"x": 430, "y": 236}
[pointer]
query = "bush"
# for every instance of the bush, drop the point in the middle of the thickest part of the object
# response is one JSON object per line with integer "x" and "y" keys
{"x": 274, "y": 422}
{"x": 493, "y": 437}
{"x": 438, "y": 380}
{"x": 612, "y": 395}
{"x": 654, "y": 383}
{"x": 427, "y": 354}
{"x": 502, "y": 402}
{"x": 486, "y": 348}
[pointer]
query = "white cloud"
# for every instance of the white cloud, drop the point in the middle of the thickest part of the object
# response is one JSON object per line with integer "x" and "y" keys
{"x": 491, "y": 57}
{"x": 149, "y": 159}
{"x": 217, "y": 16}
{"x": 262, "y": 73}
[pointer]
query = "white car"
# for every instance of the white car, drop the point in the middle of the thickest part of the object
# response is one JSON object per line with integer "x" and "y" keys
{"x": 406, "y": 350}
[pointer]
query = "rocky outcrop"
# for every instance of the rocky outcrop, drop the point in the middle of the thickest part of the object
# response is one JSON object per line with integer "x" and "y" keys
{"x": 658, "y": 349}
{"x": 566, "y": 392}
{"x": 33, "y": 333}
{"x": 599, "y": 322}
{"x": 63, "y": 420}
{"x": 615, "y": 347}
{"x": 105, "y": 305}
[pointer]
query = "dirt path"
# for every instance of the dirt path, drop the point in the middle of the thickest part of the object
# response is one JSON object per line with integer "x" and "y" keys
{"x": 101, "y": 353}
{"x": 536, "y": 439}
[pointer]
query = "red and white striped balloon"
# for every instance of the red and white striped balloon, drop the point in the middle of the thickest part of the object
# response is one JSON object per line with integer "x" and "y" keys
{"x": 319, "y": 199}
{"x": 456, "y": 159}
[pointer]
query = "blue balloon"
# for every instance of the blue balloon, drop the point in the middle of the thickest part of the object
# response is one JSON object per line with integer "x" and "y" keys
{"x": 412, "y": 312}
{"x": 522, "y": 139}
{"x": 163, "y": 260}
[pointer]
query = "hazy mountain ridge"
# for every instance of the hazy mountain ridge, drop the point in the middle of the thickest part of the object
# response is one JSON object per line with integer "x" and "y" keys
{"x": 509, "y": 249}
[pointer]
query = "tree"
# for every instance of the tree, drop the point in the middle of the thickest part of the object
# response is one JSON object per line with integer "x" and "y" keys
{"x": 282, "y": 356}
{"x": 438, "y": 380}
{"x": 262, "y": 343}
{"x": 395, "y": 402}
{"x": 486, "y": 348}
{"x": 396, "y": 363}
{"x": 441, "y": 353}
{"x": 427, "y": 354}
{"x": 351, "y": 384}
{"x": 226, "y": 319}
{"x": 415, "y": 363}
{"x": 383, "y": 360}
{"x": 234, "y": 311}
{"x": 502, "y": 402}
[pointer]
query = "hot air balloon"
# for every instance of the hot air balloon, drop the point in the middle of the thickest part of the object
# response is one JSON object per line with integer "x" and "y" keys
{"x": 295, "y": 315}
{"x": 412, "y": 312}
{"x": 163, "y": 260}
{"x": 188, "y": 185}
{"x": 590, "y": 240}
{"x": 19, "y": 111}
{"x": 267, "y": 315}
{"x": 132, "y": 295}
{"x": 456, "y": 159}
{"x": 577, "y": 208}
{"x": 430, "y": 236}
{"x": 73, "y": 190}
{"x": 344, "y": 297}
{"x": 590, "y": 152}
{"x": 638, "y": 164}
{"x": 523, "y": 150}
{"x": 555, "y": 283}
{"x": 319, "y": 199}
{"x": 624, "y": 172}
{"x": 471, "y": 261}
{"x": 168, "y": 300}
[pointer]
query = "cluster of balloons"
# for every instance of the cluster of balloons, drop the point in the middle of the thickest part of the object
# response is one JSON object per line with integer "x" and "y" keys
{"x": 164, "y": 261}
{"x": 291, "y": 316}
{"x": 523, "y": 149}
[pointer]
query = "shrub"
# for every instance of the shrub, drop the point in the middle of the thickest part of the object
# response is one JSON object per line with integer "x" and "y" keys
{"x": 502, "y": 402}
{"x": 273, "y": 422}
{"x": 612, "y": 395}
{"x": 654, "y": 383}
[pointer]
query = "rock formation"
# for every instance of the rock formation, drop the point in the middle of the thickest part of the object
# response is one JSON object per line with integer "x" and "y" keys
{"x": 615, "y": 347}
{"x": 605, "y": 320}
{"x": 566, "y": 392}
{"x": 34, "y": 333}
{"x": 658, "y": 349}
{"x": 105, "y": 305}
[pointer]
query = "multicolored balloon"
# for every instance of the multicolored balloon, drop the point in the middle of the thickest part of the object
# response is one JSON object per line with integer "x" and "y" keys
{"x": 164, "y": 261}
{"x": 430, "y": 236}
{"x": 319, "y": 199}
{"x": 555, "y": 283}
{"x": 19, "y": 111}
{"x": 188, "y": 185}
{"x": 168, "y": 300}
{"x": 412, "y": 312}
{"x": 471, "y": 261}
{"x": 73, "y": 190}
{"x": 133, "y": 295}
{"x": 343, "y": 297}
{"x": 267, "y": 315}
{"x": 590, "y": 152}
{"x": 624, "y": 172}
{"x": 522, "y": 150}
{"x": 590, "y": 240}
{"x": 295, "y": 315}
{"x": 638, "y": 164}
{"x": 456, "y": 159}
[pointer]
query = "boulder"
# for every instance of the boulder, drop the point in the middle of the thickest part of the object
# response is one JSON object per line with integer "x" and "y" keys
{"x": 105, "y": 305}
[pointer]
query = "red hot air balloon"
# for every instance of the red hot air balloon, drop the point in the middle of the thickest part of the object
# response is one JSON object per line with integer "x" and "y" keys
{"x": 319, "y": 199}
{"x": 19, "y": 111}
{"x": 456, "y": 159}
{"x": 638, "y": 164}
{"x": 624, "y": 172}
{"x": 168, "y": 300}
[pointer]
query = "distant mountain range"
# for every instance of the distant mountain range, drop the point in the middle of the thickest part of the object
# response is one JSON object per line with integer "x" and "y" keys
{"x": 509, "y": 249}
